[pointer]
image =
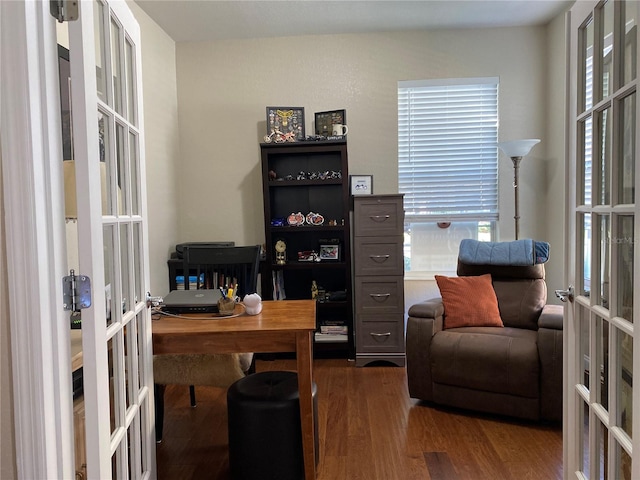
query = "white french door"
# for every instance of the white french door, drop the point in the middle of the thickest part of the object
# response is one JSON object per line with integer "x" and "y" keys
{"x": 602, "y": 407}
{"x": 106, "y": 94}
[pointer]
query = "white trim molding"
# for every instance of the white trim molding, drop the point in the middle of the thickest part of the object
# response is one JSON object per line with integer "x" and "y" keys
{"x": 34, "y": 226}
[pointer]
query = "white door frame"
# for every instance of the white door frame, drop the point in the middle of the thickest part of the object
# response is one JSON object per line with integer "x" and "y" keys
{"x": 35, "y": 241}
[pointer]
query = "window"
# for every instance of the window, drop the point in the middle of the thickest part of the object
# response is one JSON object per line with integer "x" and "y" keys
{"x": 447, "y": 167}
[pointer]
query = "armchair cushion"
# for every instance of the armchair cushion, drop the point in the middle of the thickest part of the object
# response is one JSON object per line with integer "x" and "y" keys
{"x": 460, "y": 312}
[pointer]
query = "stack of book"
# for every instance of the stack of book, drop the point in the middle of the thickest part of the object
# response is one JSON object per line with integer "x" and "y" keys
{"x": 332, "y": 333}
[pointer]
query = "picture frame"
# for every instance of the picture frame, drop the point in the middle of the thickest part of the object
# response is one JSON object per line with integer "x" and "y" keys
{"x": 361, "y": 184}
{"x": 287, "y": 120}
{"x": 324, "y": 121}
{"x": 329, "y": 252}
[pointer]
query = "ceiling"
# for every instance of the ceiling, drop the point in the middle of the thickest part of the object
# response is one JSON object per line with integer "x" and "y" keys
{"x": 198, "y": 20}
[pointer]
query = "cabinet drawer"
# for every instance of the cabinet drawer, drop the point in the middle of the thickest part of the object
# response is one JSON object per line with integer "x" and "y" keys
{"x": 379, "y": 295}
{"x": 378, "y": 215}
{"x": 379, "y": 255}
{"x": 380, "y": 336}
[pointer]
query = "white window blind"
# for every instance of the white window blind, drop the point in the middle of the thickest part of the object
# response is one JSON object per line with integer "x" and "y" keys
{"x": 447, "y": 149}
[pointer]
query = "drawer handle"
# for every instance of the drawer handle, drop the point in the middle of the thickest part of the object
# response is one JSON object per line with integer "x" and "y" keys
{"x": 380, "y": 297}
{"x": 380, "y": 218}
{"x": 388, "y": 334}
{"x": 379, "y": 258}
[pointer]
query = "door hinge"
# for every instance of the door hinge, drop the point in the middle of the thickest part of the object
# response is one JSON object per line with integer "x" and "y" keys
{"x": 64, "y": 10}
{"x": 76, "y": 292}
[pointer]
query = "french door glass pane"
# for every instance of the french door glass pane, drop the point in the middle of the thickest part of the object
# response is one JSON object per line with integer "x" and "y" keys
{"x": 129, "y": 396}
{"x": 602, "y": 380}
{"x": 104, "y": 138}
{"x": 116, "y": 70}
{"x": 607, "y": 47}
{"x": 625, "y": 381}
{"x": 137, "y": 263}
{"x": 627, "y": 158}
{"x": 98, "y": 23}
{"x": 122, "y": 170}
{"x": 109, "y": 272}
{"x": 134, "y": 164}
{"x": 125, "y": 264}
{"x": 129, "y": 64}
{"x": 625, "y": 266}
{"x": 112, "y": 386}
{"x": 587, "y": 136}
{"x": 604, "y": 236}
{"x": 582, "y": 317}
{"x": 603, "y": 184}
{"x": 584, "y": 223}
{"x": 603, "y": 450}
{"x": 629, "y": 58}
{"x": 583, "y": 421}
{"x": 587, "y": 40}
{"x": 624, "y": 463}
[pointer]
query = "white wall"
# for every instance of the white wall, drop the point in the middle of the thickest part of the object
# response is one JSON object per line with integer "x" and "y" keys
{"x": 161, "y": 143}
{"x": 224, "y": 87}
{"x": 553, "y": 219}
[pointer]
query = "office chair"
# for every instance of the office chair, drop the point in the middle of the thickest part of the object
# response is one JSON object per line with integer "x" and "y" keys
{"x": 213, "y": 267}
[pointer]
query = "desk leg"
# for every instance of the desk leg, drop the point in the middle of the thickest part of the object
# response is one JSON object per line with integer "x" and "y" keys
{"x": 305, "y": 385}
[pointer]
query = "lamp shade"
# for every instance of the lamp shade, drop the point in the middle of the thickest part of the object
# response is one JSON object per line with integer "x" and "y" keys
{"x": 518, "y": 148}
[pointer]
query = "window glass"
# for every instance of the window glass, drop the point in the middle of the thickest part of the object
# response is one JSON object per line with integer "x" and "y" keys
{"x": 447, "y": 167}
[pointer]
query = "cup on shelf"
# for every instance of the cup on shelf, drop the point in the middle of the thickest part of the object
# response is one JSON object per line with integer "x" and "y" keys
{"x": 337, "y": 129}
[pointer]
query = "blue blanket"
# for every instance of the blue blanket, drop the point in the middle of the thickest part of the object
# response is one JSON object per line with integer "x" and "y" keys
{"x": 518, "y": 252}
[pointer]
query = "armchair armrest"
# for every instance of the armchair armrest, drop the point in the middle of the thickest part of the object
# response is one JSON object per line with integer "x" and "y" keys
{"x": 425, "y": 320}
{"x": 432, "y": 308}
{"x": 551, "y": 317}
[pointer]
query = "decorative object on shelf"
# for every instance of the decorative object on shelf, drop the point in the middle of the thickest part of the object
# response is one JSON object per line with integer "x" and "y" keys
{"x": 314, "y": 218}
{"x": 326, "y": 120}
{"x": 295, "y": 219}
{"x": 314, "y": 290}
{"x": 339, "y": 130}
{"x": 252, "y": 303}
{"x": 308, "y": 256}
{"x": 285, "y": 122}
{"x": 281, "y": 255}
{"x": 361, "y": 184}
{"x": 515, "y": 150}
{"x": 278, "y": 222}
{"x": 330, "y": 252}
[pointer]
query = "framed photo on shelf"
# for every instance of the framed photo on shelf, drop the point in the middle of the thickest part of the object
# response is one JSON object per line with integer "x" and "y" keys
{"x": 330, "y": 252}
{"x": 287, "y": 121}
{"x": 326, "y": 120}
{"x": 361, "y": 184}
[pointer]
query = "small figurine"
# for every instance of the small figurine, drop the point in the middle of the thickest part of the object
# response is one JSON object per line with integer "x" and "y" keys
{"x": 252, "y": 303}
{"x": 314, "y": 290}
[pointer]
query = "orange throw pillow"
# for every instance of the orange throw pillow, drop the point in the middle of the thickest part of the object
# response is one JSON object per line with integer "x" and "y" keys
{"x": 469, "y": 302}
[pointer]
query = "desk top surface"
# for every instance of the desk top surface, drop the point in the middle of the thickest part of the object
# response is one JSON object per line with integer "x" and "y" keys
{"x": 284, "y": 315}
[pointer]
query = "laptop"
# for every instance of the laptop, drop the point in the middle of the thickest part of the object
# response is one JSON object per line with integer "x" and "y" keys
{"x": 192, "y": 301}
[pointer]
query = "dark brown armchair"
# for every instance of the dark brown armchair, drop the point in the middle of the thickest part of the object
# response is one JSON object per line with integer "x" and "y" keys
{"x": 515, "y": 370}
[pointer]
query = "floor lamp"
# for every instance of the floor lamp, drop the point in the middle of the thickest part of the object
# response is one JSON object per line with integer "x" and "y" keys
{"x": 516, "y": 149}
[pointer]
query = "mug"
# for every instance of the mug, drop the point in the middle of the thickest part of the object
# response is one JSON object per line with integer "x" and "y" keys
{"x": 339, "y": 130}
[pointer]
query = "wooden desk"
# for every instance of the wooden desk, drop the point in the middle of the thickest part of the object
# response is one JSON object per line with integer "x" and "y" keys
{"x": 283, "y": 326}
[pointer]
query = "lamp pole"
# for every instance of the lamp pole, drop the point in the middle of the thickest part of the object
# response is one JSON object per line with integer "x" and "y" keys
{"x": 515, "y": 150}
{"x": 516, "y": 171}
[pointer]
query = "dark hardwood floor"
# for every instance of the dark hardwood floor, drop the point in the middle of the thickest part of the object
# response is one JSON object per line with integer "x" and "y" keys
{"x": 369, "y": 429}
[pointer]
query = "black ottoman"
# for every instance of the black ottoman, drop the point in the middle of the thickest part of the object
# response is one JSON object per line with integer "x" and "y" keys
{"x": 265, "y": 436}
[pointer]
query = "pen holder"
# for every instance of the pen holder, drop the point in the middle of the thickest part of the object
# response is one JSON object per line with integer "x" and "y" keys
{"x": 226, "y": 305}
